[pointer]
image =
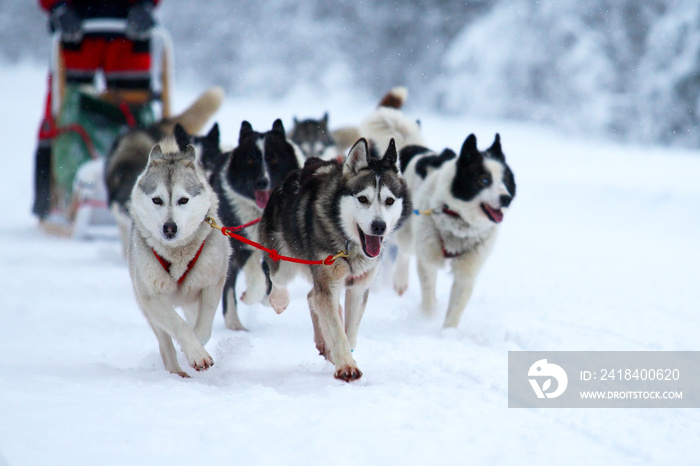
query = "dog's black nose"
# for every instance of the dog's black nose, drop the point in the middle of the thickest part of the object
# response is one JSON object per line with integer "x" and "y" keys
{"x": 170, "y": 230}
{"x": 378, "y": 227}
{"x": 262, "y": 184}
{"x": 505, "y": 200}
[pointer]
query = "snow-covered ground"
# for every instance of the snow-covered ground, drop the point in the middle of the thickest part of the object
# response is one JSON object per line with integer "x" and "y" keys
{"x": 599, "y": 252}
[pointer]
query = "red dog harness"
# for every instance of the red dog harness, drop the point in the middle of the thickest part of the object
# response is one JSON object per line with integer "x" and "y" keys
{"x": 166, "y": 264}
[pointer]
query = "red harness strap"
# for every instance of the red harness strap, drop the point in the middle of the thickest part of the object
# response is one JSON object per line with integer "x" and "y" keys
{"x": 446, "y": 254}
{"x": 166, "y": 264}
{"x": 450, "y": 255}
{"x": 451, "y": 213}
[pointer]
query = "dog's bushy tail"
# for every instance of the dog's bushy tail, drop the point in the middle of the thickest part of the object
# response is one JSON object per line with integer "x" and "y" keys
{"x": 380, "y": 126}
{"x": 194, "y": 117}
{"x": 395, "y": 98}
{"x": 387, "y": 121}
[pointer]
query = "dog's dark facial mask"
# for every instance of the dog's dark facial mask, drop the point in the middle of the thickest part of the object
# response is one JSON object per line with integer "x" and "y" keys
{"x": 473, "y": 176}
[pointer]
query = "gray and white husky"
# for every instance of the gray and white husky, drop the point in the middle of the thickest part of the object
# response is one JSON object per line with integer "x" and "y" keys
{"x": 129, "y": 153}
{"x": 321, "y": 209}
{"x": 314, "y": 138}
{"x": 175, "y": 258}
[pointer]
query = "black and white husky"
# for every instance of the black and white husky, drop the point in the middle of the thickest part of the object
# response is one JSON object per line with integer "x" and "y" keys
{"x": 251, "y": 170}
{"x": 321, "y": 209}
{"x": 207, "y": 148}
{"x": 461, "y": 201}
{"x": 175, "y": 258}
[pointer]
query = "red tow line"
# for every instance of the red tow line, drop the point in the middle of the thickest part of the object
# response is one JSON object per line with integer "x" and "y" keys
{"x": 238, "y": 228}
{"x": 274, "y": 255}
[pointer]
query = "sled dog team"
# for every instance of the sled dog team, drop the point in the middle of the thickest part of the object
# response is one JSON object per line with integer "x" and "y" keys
{"x": 167, "y": 187}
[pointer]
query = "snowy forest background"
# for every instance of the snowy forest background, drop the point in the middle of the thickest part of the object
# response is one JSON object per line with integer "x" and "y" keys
{"x": 626, "y": 68}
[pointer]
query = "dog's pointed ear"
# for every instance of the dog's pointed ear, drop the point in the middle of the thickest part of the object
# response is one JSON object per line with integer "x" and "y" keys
{"x": 296, "y": 121}
{"x": 469, "y": 152}
{"x": 278, "y": 127}
{"x": 213, "y": 134}
{"x": 246, "y": 130}
{"x": 390, "y": 158}
{"x": 190, "y": 153}
{"x": 324, "y": 120}
{"x": 156, "y": 154}
{"x": 495, "y": 150}
{"x": 357, "y": 158}
{"x": 181, "y": 136}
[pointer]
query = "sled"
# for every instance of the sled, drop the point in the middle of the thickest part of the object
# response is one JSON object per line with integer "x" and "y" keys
{"x": 84, "y": 123}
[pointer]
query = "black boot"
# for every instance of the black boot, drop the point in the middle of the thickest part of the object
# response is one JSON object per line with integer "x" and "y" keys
{"x": 42, "y": 180}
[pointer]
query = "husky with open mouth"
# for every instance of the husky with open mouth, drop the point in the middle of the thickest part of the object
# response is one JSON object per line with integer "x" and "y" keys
{"x": 321, "y": 209}
{"x": 244, "y": 183}
{"x": 461, "y": 202}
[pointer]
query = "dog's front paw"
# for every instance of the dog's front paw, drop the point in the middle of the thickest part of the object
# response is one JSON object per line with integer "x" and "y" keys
{"x": 200, "y": 360}
{"x": 348, "y": 373}
{"x": 279, "y": 299}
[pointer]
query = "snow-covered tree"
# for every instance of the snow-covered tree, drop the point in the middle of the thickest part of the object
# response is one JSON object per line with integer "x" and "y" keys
{"x": 627, "y": 68}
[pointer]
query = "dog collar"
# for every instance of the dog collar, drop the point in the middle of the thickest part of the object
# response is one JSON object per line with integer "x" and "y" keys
{"x": 446, "y": 254}
{"x": 166, "y": 264}
{"x": 451, "y": 213}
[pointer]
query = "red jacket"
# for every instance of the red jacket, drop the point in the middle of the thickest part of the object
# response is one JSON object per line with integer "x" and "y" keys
{"x": 95, "y": 8}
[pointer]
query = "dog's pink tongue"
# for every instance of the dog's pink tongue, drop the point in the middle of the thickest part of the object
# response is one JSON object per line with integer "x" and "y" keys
{"x": 373, "y": 245}
{"x": 496, "y": 214}
{"x": 261, "y": 198}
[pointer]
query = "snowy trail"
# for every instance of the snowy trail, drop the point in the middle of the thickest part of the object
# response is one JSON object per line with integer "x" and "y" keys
{"x": 599, "y": 252}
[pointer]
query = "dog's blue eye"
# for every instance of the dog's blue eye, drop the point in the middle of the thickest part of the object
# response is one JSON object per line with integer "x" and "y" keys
{"x": 182, "y": 201}
{"x": 363, "y": 199}
{"x": 157, "y": 201}
{"x": 485, "y": 181}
